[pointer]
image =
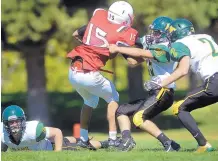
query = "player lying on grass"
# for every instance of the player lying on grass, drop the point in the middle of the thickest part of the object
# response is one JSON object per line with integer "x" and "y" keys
{"x": 106, "y": 26}
{"x": 158, "y": 100}
{"x": 200, "y": 53}
{"x": 19, "y": 134}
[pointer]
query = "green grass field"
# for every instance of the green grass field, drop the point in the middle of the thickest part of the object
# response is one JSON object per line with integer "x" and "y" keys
{"x": 147, "y": 148}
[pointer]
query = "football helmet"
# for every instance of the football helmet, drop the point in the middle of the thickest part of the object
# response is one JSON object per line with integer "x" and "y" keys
{"x": 158, "y": 30}
{"x": 180, "y": 28}
{"x": 14, "y": 120}
{"x": 121, "y": 12}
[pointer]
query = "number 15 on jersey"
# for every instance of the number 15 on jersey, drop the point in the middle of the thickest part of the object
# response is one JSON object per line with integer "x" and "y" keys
{"x": 96, "y": 37}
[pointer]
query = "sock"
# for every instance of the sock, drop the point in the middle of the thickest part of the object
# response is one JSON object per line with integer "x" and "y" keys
{"x": 113, "y": 135}
{"x": 163, "y": 138}
{"x": 190, "y": 124}
{"x": 84, "y": 134}
{"x": 126, "y": 134}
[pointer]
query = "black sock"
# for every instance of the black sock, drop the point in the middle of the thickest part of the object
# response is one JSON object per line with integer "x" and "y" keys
{"x": 190, "y": 124}
{"x": 163, "y": 138}
{"x": 126, "y": 134}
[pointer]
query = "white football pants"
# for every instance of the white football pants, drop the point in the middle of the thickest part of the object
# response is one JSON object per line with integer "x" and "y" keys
{"x": 93, "y": 85}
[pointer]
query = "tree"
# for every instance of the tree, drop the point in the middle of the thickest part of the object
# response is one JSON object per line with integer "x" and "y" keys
{"x": 29, "y": 25}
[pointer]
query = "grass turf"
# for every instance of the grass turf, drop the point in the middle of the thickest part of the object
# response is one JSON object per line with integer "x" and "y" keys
{"x": 147, "y": 149}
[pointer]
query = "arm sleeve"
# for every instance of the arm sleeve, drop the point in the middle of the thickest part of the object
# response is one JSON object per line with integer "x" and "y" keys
{"x": 178, "y": 51}
{"x": 139, "y": 42}
{"x": 122, "y": 44}
{"x": 125, "y": 56}
{"x": 40, "y": 132}
{"x": 160, "y": 53}
{"x": 82, "y": 30}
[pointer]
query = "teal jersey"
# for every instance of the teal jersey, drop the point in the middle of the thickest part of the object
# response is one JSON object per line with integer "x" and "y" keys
{"x": 161, "y": 66}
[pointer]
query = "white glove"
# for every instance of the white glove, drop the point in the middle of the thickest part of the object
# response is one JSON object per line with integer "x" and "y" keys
{"x": 154, "y": 84}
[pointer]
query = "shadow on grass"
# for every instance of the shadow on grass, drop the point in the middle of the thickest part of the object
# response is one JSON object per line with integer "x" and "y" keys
{"x": 161, "y": 149}
{"x": 150, "y": 149}
{"x": 188, "y": 150}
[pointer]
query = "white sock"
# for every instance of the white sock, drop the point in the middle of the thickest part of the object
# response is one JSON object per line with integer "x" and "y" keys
{"x": 113, "y": 135}
{"x": 84, "y": 134}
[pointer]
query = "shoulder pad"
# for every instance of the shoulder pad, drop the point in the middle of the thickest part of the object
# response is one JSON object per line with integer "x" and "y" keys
{"x": 98, "y": 10}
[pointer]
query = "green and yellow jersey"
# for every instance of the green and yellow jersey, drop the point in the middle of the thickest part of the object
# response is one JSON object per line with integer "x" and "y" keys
{"x": 161, "y": 66}
{"x": 34, "y": 138}
{"x": 203, "y": 53}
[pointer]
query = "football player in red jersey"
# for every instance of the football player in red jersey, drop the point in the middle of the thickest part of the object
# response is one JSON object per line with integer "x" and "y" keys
{"x": 105, "y": 27}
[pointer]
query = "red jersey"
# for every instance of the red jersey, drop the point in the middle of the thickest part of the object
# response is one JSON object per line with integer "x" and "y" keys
{"x": 99, "y": 33}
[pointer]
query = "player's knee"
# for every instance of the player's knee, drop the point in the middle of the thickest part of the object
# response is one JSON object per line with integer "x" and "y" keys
{"x": 177, "y": 107}
{"x": 93, "y": 102}
{"x": 111, "y": 111}
{"x": 138, "y": 118}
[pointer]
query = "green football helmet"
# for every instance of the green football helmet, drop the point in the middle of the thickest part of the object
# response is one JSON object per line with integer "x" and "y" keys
{"x": 180, "y": 28}
{"x": 14, "y": 120}
{"x": 159, "y": 28}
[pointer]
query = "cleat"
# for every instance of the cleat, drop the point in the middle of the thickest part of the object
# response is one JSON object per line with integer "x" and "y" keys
{"x": 207, "y": 148}
{"x": 110, "y": 143}
{"x": 104, "y": 144}
{"x": 127, "y": 144}
{"x": 85, "y": 144}
{"x": 114, "y": 143}
{"x": 171, "y": 146}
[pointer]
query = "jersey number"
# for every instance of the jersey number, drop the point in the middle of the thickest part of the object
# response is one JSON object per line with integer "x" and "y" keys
{"x": 205, "y": 40}
{"x": 99, "y": 34}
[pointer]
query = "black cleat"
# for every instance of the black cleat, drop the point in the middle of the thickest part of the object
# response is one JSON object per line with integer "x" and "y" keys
{"x": 114, "y": 143}
{"x": 85, "y": 144}
{"x": 110, "y": 143}
{"x": 171, "y": 146}
{"x": 127, "y": 144}
{"x": 67, "y": 145}
{"x": 104, "y": 144}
